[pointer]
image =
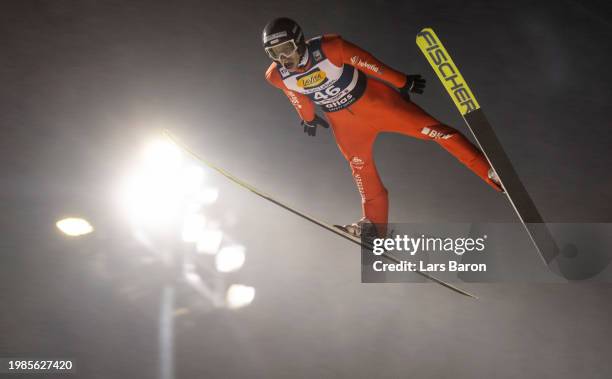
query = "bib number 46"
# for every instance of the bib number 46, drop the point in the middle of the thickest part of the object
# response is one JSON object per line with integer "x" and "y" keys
{"x": 329, "y": 91}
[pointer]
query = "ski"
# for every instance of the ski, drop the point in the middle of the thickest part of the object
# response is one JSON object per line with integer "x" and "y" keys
{"x": 481, "y": 129}
{"x": 301, "y": 214}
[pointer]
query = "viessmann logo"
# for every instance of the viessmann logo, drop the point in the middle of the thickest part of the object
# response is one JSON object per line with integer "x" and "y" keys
{"x": 312, "y": 80}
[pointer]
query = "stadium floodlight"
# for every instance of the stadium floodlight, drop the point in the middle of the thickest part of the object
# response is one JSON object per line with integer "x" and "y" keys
{"x": 230, "y": 258}
{"x": 151, "y": 198}
{"x": 191, "y": 179}
{"x": 193, "y": 227}
{"x": 161, "y": 154}
{"x": 74, "y": 227}
{"x": 208, "y": 196}
{"x": 239, "y": 296}
{"x": 153, "y": 193}
{"x": 209, "y": 241}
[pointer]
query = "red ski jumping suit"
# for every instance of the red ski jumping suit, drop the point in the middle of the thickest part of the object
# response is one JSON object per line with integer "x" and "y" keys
{"x": 359, "y": 107}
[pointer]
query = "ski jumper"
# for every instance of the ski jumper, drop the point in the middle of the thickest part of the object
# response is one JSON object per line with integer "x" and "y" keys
{"x": 341, "y": 78}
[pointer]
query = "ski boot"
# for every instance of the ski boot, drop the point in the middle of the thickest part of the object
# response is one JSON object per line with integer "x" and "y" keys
{"x": 363, "y": 229}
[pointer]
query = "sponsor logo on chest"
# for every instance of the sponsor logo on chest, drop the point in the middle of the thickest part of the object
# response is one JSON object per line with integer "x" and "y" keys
{"x": 317, "y": 78}
{"x": 312, "y": 79}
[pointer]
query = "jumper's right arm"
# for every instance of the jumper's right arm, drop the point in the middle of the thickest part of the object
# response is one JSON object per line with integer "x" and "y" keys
{"x": 302, "y": 104}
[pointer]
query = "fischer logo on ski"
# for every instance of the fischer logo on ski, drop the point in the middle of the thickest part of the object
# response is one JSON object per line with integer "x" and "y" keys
{"x": 446, "y": 70}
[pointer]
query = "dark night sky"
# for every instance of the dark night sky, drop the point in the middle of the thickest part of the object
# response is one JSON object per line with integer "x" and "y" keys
{"x": 84, "y": 83}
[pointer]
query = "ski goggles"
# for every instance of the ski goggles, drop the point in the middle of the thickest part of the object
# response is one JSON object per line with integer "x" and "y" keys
{"x": 285, "y": 49}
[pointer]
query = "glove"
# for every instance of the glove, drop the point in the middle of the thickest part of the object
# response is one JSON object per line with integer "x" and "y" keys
{"x": 414, "y": 83}
{"x": 310, "y": 127}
